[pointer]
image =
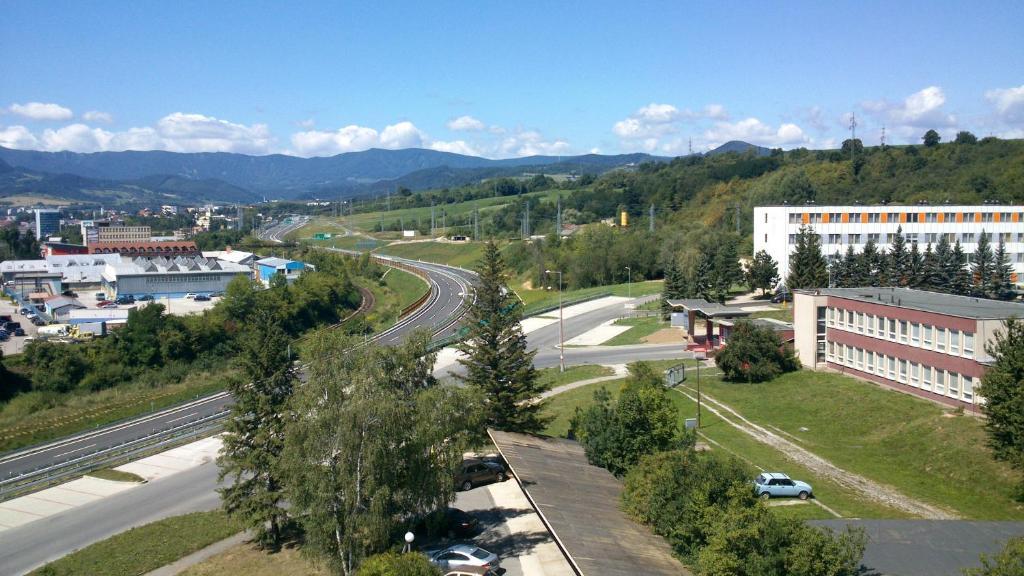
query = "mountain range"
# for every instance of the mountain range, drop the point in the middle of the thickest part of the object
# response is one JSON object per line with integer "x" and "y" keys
{"x": 169, "y": 177}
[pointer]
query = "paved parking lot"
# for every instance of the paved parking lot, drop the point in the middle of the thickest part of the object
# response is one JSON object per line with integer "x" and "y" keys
{"x": 15, "y": 344}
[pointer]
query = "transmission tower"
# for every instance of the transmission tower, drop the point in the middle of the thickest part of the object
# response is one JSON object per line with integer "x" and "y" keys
{"x": 650, "y": 219}
{"x": 883, "y": 136}
{"x": 690, "y": 147}
{"x": 558, "y": 218}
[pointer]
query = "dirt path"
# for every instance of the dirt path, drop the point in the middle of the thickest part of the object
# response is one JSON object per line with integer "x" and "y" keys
{"x": 867, "y": 488}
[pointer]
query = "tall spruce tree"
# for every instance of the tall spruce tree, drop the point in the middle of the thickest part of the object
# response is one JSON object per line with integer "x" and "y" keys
{"x": 960, "y": 277}
{"x": 869, "y": 265}
{"x": 982, "y": 266}
{"x": 497, "y": 360}
{"x": 899, "y": 260}
{"x": 844, "y": 269}
{"x": 807, "y": 267}
{"x": 1002, "y": 386}
{"x": 945, "y": 266}
{"x": 916, "y": 267}
{"x": 727, "y": 269}
{"x": 254, "y": 434}
{"x": 1001, "y": 282}
{"x": 673, "y": 288}
{"x": 931, "y": 270}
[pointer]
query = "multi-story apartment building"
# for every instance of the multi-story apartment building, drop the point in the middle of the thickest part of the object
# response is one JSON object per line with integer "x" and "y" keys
{"x": 776, "y": 228}
{"x": 925, "y": 343}
{"x": 102, "y": 231}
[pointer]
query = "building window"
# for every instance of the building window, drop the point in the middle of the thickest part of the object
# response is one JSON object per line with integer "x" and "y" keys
{"x": 940, "y": 339}
{"x": 968, "y": 388}
{"x": 903, "y": 371}
{"x": 915, "y": 374}
{"x": 869, "y": 324}
{"x": 828, "y": 316}
{"x": 860, "y": 358}
{"x": 831, "y": 350}
{"x": 835, "y": 217}
{"x": 926, "y": 377}
{"x": 968, "y": 216}
{"x": 853, "y": 238}
{"x": 855, "y": 217}
{"x": 931, "y": 217}
{"x": 881, "y": 327}
{"x": 940, "y": 381}
{"x": 903, "y": 331}
{"x": 987, "y": 217}
{"x": 873, "y": 238}
{"x": 792, "y": 238}
{"x": 926, "y": 339}
{"x": 954, "y": 341}
{"x": 967, "y": 237}
{"x": 892, "y": 368}
{"x": 860, "y": 322}
{"x": 794, "y": 217}
{"x": 954, "y": 384}
{"x": 849, "y": 355}
{"x": 870, "y": 366}
{"x": 931, "y": 237}
{"x": 969, "y": 344}
{"x": 1005, "y": 217}
{"x": 950, "y": 217}
{"x": 892, "y": 329}
{"x": 835, "y": 238}
{"x": 915, "y": 333}
{"x": 911, "y": 238}
{"x": 849, "y": 318}
{"x": 1020, "y": 236}
{"x": 814, "y": 217}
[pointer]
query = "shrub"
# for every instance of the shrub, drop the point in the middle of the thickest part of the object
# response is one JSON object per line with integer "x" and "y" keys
{"x": 754, "y": 354}
{"x": 394, "y": 564}
{"x": 1009, "y": 562}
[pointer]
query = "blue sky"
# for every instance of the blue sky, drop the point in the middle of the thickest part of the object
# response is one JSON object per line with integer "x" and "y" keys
{"x": 503, "y": 79}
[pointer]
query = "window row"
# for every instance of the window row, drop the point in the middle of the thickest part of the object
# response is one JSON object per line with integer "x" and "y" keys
{"x": 912, "y": 237}
{"x": 909, "y": 217}
{"x": 937, "y": 380}
{"x": 926, "y": 336}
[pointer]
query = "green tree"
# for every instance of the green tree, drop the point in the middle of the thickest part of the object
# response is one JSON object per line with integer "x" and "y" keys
{"x": 965, "y": 137}
{"x": 672, "y": 491}
{"x": 372, "y": 439}
{"x": 1001, "y": 282}
{"x": 795, "y": 188}
{"x": 727, "y": 269}
{"x": 643, "y": 421}
{"x": 763, "y": 272}
{"x": 754, "y": 354}
{"x": 898, "y": 259}
{"x": 1009, "y": 562}
{"x": 870, "y": 263}
{"x": 674, "y": 287}
{"x": 254, "y": 434}
{"x": 960, "y": 278}
{"x": 931, "y": 270}
{"x": 807, "y": 267}
{"x": 931, "y": 138}
{"x": 1002, "y": 386}
{"x": 982, "y": 266}
{"x": 140, "y": 338}
{"x": 497, "y": 360}
{"x": 944, "y": 267}
{"x": 394, "y": 564}
{"x": 915, "y": 267}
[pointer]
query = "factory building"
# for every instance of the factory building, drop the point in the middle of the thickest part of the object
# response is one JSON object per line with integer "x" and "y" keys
{"x": 267, "y": 268}
{"x": 170, "y": 277}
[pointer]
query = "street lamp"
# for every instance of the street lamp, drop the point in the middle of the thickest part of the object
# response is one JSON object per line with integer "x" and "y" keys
{"x": 629, "y": 282}
{"x": 561, "y": 326}
{"x": 409, "y": 537}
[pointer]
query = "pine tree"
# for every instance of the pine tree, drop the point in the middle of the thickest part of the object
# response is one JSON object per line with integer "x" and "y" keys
{"x": 982, "y": 266}
{"x": 916, "y": 267}
{"x": 959, "y": 276}
{"x": 945, "y": 267}
{"x": 703, "y": 276}
{"x": 727, "y": 268}
{"x": 1002, "y": 388}
{"x": 1001, "y": 281}
{"x": 899, "y": 260}
{"x": 868, "y": 265}
{"x": 497, "y": 360}
{"x": 254, "y": 435}
{"x": 807, "y": 268}
{"x": 674, "y": 287}
{"x": 763, "y": 272}
{"x": 844, "y": 274}
{"x": 931, "y": 270}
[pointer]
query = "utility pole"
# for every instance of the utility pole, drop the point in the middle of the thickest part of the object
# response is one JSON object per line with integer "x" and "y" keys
{"x": 736, "y": 217}
{"x": 650, "y": 219}
{"x": 690, "y": 147}
{"x": 561, "y": 326}
{"x": 558, "y": 218}
{"x": 883, "y": 136}
{"x": 853, "y": 135}
{"x": 433, "y": 220}
{"x": 476, "y": 223}
{"x": 527, "y": 218}
{"x": 629, "y": 282}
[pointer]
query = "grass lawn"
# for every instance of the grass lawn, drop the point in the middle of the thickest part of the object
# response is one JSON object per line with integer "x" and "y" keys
{"x": 561, "y": 407}
{"x": 780, "y": 314}
{"x": 640, "y": 328}
{"x": 552, "y": 378}
{"x": 36, "y": 417}
{"x": 145, "y": 548}
{"x": 540, "y": 299}
{"x": 922, "y": 449}
{"x": 116, "y": 475}
{"x": 465, "y": 255}
{"x": 249, "y": 560}
{"x": 400, "y": 289}
{"x": 406, "y": 286}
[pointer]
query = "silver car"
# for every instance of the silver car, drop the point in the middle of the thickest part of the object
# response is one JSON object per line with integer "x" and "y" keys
{"x": 463, "y": 555}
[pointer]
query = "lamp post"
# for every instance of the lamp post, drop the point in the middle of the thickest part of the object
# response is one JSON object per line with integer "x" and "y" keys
{"x": 409, "y": 537}
{"x": 561, "y": 326}
{"x": 629, "y": 282}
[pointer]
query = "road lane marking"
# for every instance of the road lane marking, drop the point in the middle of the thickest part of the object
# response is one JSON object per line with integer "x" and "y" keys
{"x": 75, "y": 450}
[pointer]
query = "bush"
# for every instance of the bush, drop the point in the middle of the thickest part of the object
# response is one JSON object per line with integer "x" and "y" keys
{"x": 1009, "y": 562}
{"x": 643, "y": 421}
{"x": 754, "y": 354}
{"x": 394, "y": 564}
{"x": 672, "y": 492}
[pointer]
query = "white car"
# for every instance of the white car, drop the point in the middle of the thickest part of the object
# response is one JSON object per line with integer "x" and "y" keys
{"x": 190, "y": 296}
{"x": 463, "y": 555}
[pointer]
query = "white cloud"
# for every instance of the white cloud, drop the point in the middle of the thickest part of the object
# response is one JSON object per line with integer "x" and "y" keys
{"x": 657, "y": 113}
{"x": 531, "y": 143}
{"x": 754, "y": 131}
{"x": 466, "y": 124}
{"x": 76, "y": 137}
{"x": 97, "y": 116}
{"x": 199, "y": 133}
{"x": 41, "y": 111}
{"x": 1008, "y": 103}
{"x": 401, "y": 135}
{"x": 647, "y": 122}
{"x": 307, "y": 123}
{"x": 455, "y": 146}
{"x": 348, "y": 139}
{"x": 922, "y": 109}
{"x": 18, "y": 137}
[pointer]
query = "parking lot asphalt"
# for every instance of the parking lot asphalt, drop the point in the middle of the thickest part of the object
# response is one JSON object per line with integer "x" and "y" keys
{"x": 15, "y": 344}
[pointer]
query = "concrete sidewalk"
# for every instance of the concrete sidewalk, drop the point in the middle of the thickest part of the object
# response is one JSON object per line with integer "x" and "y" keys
{"x": 182, "y": 564}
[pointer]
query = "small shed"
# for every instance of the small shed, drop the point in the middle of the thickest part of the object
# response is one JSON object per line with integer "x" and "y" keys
{"x": 267, "y": 268}
{"x": 60, "y": 306}
{"x": 694, "y": 308}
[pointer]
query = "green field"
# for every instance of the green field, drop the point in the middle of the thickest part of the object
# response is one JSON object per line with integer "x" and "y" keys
{"x": 145, "y": 548}
{"x": 539, "y": 299}
{"x": 552, "y": 378}
{"x": 640, "y": 328}
{"x": 400, "y": 289}
{"x": 786, "y": 315}
{"x": 116, "y": 475}
{"x": 924, "y": 450}
{"x": 465, "y": 255}
{"x": 251, "y": 561}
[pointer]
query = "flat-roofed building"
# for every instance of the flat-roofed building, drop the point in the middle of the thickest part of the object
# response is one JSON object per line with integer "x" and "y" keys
{"x": 267, "y": 268}
{"x": 147, "y": 249}
{"x": 926, "y": 343}
{"x": 47, "y": 223}
{"x": 173, "y": 277}
{"x": 776, "y": 228}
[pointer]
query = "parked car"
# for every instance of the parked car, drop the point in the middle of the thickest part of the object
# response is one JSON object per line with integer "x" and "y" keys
{"x": 10, "y": 326}
{"x": 69, "y": 293}
{"x": 450, "y": 522}
{"x": 472, "y": 571}
{"x": 5, "y": 318}
{"x": 145, "y": 298}
{"x": 19, "y": 331}
{"x": 463, "y": 555}
{"x": 100, "y": 296}
{"x": 3, "y": 335}
{"x": 24, "y": 311}
{"x": 37, "y": 321}
{"x": 781, "y": 297}
{"x": 216, "y": 295}
{"x": 126, "y": 300}
{"x": 190, "y": 296}
{"x": 474, "y": 472}
{"x": 777, "y": 484}
{"x": 202, "y": 298}
{"x": 107, "y": 304}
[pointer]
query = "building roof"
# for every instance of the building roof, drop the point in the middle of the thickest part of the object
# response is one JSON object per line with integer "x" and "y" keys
{"x": 933, "y": 302}
{"x": 144, "y": 247}
{"x": 82, "y": 268}
{"x": 274, "y": 262}
{"x": 770, "y": 323}
{"x": 62, "y": 301}
{"x": 236, "y": 256}
{"x": 708, "y": 309}
{"x": 921, "y": 207}
{"x": 177, "y": 265}
{"x": 591, "y": 529}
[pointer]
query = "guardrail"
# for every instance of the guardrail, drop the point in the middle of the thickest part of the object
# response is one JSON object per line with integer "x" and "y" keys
{"x": 126, "y": 451}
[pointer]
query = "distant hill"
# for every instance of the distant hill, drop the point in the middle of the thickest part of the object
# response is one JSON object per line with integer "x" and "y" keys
{"x": 740, "y": 147}
{"x": 281, "y": 176}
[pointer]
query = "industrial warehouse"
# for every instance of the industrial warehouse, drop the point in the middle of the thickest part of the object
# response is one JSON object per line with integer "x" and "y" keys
{"x": 169, "y": 277}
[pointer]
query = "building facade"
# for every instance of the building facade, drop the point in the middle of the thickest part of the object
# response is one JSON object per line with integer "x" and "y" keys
{"x": 172, "y": 277}
{"x": 47, "y": 223}
{"x": 925, "y": 343}
{"x": 185, "y": 248}
{"x": 267, "y": 268}
{"x": 776, "y": 228}
{"x": 102, "y": 231}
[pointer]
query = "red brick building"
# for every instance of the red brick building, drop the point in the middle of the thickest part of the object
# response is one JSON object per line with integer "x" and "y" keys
{"x": 130, "y": 250}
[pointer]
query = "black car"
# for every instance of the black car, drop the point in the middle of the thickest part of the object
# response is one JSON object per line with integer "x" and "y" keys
{"x": 202, "y": 298}
{"x": 782, "y": 297}
{"x": 450, "y": 522}
{"x": 145, "y": 298}
{"x": 37, "y": 321}
{"x": 129, "y": 299}
{"x": 19, "y": 331}
{"x": 69, "y": 293}
{"x": 11, "y": 326}
{"x": 474, "y": 472}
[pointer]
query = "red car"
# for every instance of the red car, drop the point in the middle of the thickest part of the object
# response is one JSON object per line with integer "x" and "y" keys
{"x": 107, "y": 304}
